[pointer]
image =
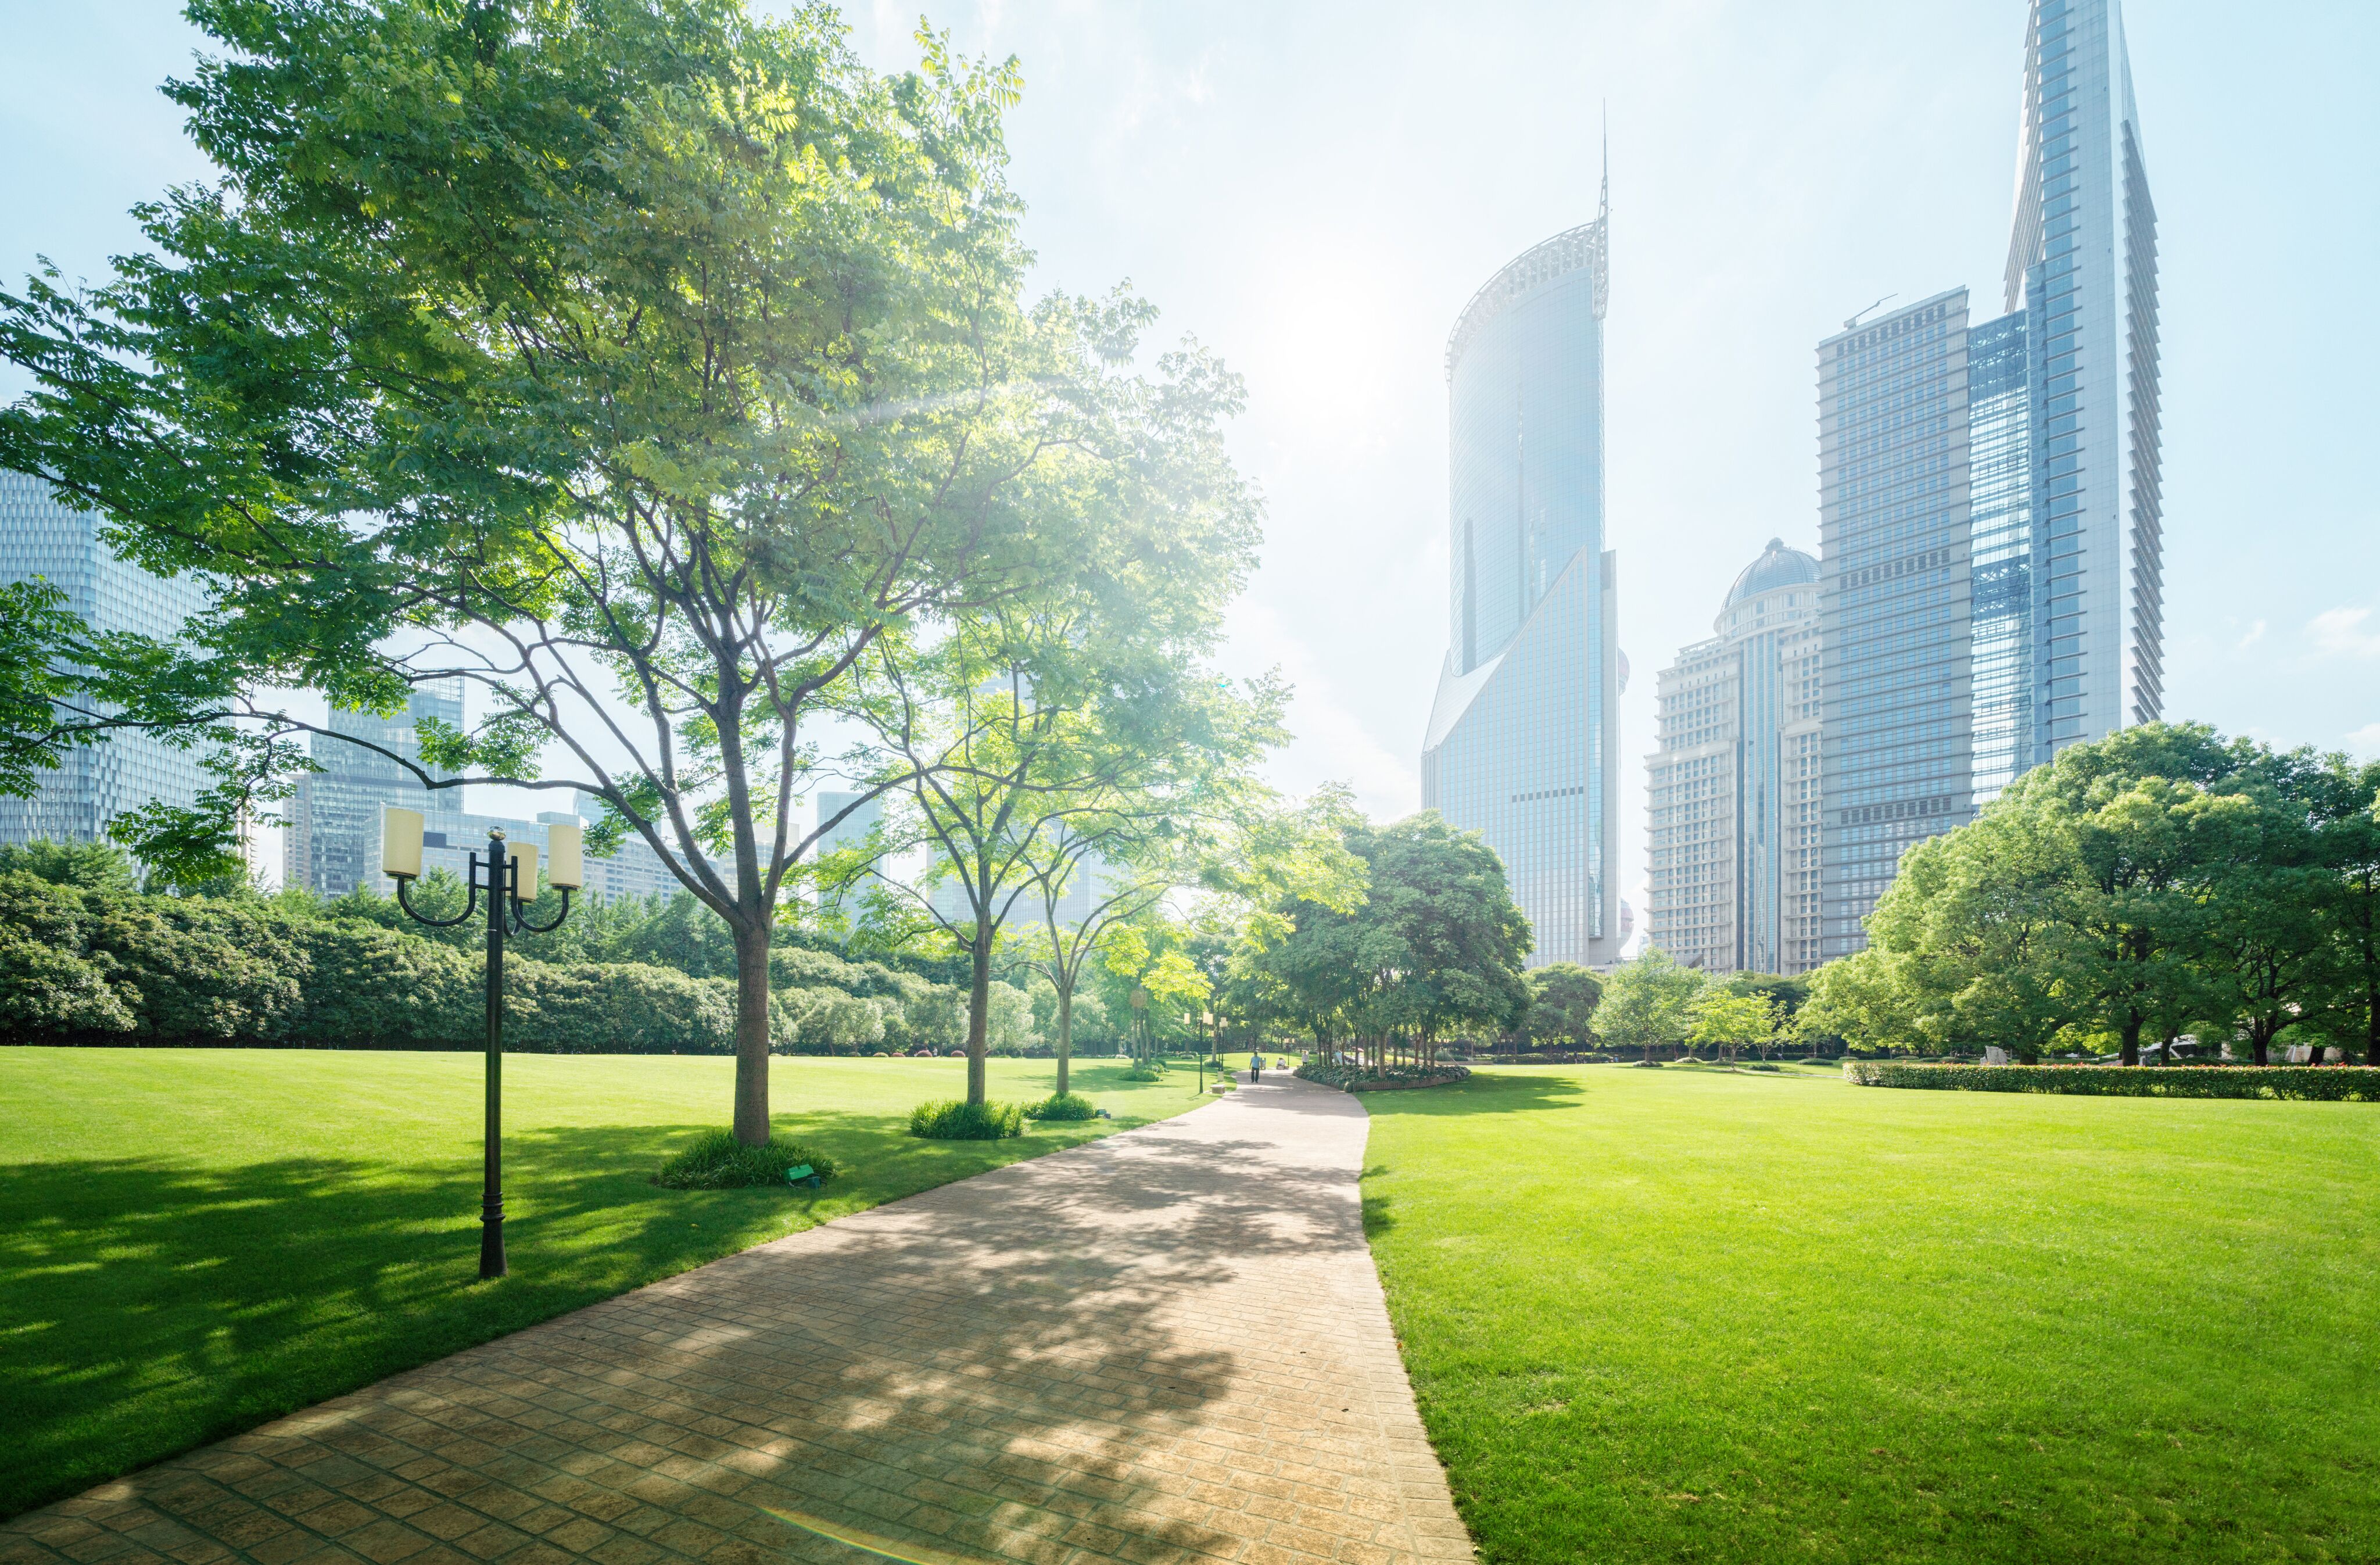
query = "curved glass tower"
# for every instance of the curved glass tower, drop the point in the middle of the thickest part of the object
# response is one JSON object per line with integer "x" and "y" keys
{"x": 1524, "y": 736}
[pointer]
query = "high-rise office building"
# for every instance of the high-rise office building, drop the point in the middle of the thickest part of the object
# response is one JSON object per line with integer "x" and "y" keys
{"x": 2083, "y": 268}
{"x": 40, "y": 537}
{"x": 631, "y": 871}
{"x": 332, "y": 837}
{"x": 1991, "y": 503}
{"x": 1733, "y": 792}
{"x": 1523, "y": 738}
{"x": 1898, "y": 751}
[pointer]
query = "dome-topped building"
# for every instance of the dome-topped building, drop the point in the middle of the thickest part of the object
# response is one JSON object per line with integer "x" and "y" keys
{"x": 1778, "y": 567}
{"x": 1733, "y": 788}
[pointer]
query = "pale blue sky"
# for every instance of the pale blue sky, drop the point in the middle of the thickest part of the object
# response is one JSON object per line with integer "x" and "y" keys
{"x": 1315, "y": 190}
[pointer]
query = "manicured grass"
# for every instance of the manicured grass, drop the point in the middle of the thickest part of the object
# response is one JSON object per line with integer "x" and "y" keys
{"x": 1685, "y": 1314}
{"x": 194, "y": 1241}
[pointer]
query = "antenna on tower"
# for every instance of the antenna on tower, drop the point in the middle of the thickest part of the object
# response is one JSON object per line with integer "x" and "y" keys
{"x": 1857, "y": 313}
{"x": 1603, "y": 214}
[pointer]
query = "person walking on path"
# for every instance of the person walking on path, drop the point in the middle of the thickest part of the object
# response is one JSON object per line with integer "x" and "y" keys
{"x": 1255, "y": 1068}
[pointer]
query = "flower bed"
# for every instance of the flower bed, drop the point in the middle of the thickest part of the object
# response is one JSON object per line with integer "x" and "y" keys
{"x": 2319, "y": 1083}
{"x": 1350, "y": 1078}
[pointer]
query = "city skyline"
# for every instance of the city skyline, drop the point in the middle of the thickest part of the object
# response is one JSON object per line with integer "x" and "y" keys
{"x": 1710, "y": 450}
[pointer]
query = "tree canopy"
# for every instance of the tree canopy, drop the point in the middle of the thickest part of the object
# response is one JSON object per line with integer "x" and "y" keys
{"x": 651, "y": 368}
{"x": 2160, "y": 881}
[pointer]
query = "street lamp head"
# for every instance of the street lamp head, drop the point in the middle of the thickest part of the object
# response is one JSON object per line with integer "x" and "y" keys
{"x": 400, "y": 843}
{"x": 565, "y": 853}
{"x": 524, "y": 862}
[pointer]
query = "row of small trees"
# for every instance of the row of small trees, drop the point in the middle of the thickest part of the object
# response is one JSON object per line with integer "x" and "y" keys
{"x": 2163, "y": 882}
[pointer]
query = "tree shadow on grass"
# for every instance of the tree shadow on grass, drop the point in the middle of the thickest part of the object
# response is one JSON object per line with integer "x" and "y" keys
{"x": 146, "y": 1307}
{"x": 1484, "y": 1092}
{"x": 1007, "y": 1351}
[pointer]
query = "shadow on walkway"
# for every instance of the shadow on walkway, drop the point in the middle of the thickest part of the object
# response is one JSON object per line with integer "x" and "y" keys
{"x": 1168, "y": 1344}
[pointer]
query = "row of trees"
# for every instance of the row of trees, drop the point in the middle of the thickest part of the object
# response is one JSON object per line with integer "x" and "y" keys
{"x": 666, "y": 375}
{"x": 2163, "y": 882}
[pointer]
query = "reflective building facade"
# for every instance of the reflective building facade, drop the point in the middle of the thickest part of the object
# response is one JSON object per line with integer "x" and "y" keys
{"x": 1733, "y": 792}
{"x": 2083, "y": 267}
{"x": 332, "y": 838}
{"x": 1523, "y": 744}
{"x": 40, "y": 537}
{"x": 1991, "y": 495}
{"x": 1897, "y": 750}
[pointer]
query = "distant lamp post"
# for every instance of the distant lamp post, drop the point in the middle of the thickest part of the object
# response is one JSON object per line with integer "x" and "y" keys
{"x": 507, "y": 872}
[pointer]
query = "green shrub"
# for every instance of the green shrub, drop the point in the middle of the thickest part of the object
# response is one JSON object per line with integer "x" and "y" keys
{"x": 719, "y": 1161}
{"x": 1354, "y": 1078}
{"x": 1063, "y": 1106}
{"x": 2319, "y": 1083}
{"x": 954, "y": 1118}
{"x": 1145, "y": 1073}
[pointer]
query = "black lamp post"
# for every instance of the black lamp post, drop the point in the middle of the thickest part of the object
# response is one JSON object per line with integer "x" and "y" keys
{"x": 503, "y": 874}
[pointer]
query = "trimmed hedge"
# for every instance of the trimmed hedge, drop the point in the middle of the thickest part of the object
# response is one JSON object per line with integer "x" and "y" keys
{"x": 2314, "y": 1083}
{"x": 1349, "y": 1079}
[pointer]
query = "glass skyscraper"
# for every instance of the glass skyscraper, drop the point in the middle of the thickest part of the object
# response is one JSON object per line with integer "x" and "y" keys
{"x": 40, "y": 537}
{"x": 1733, "y": 792}
{"x": 2083, "y": 267}
{"x": 1990, "y": 495}
{"x": 333, "y": 833}
{"x": 1897, "y": 750}
{"x": 1523, "y": 744}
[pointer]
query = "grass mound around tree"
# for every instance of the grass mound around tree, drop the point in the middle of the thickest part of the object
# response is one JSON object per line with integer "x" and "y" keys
{"x": 956, "y": 1119}
{"x": 719, "y": 1161}
{"x": 1063, "y": 1106}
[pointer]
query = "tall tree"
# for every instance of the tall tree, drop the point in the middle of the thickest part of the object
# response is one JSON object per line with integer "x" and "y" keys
{"x": 646, "y": 366}
{"x": 1649, "y": 1003}
{"x": 2346, "y": 811}
{"x": 1562, "y": 997}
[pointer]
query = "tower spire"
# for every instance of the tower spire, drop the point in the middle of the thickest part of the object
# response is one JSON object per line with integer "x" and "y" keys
{"x": 1603, "y": 223}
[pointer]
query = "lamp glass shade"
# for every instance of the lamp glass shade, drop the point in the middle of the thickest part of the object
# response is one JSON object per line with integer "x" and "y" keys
{"x": 400, "y": 843}
{"x": 525, "y": 855}
{"x": 566, "y": 856}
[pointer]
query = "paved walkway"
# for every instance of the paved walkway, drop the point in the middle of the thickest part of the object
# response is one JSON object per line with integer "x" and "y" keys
{"x": 1167, "y": 1345}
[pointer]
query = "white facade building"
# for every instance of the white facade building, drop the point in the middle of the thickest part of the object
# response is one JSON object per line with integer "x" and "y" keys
{"x": 1732, "y": 790}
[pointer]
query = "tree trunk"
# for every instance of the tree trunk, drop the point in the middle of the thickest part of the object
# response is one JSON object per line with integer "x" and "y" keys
{"x": 2131, "y": 1037}
{"x": 2260, "y": 1044}
{"x": 752, "y": 1034}
{"x": 1066, "y": 1033}
{"x": 2372, "y": 1028}
{"x": 978, "y": 1009}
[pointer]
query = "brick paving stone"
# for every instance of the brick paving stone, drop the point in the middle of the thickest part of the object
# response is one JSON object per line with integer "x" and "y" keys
{"x": 1167, "y": 1345}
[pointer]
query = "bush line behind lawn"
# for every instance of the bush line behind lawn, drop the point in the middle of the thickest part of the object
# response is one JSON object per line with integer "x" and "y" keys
{"x": 2311, "y": 1084}
{"x": 1351, "y": 1078}
{"x": 193, "y": 1241}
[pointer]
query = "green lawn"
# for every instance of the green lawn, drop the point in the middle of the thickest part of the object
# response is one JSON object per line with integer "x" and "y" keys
{"x": 193, "y": 1240}
{"x": 1692, "y": 1315}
